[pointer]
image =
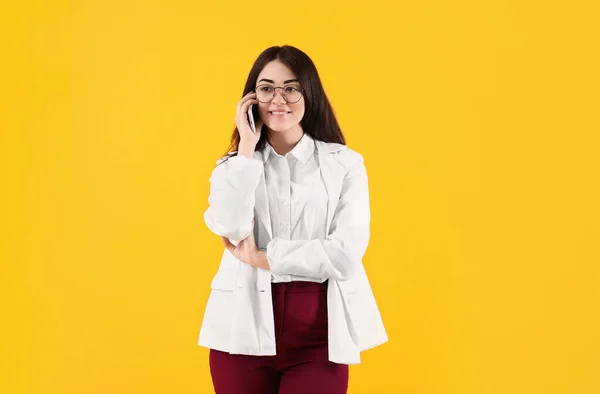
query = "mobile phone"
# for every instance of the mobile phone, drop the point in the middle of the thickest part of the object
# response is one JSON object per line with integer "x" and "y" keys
{"x": 251, "y": 119}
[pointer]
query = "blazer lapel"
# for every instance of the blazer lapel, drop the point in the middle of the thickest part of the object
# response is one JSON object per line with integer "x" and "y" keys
{"x": 333, "y": 176}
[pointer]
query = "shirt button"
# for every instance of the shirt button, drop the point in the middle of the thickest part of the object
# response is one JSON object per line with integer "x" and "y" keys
{"x": 286, "y": 202}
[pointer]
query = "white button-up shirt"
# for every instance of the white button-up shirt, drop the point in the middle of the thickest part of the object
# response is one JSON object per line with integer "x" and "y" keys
{"x": 297, "y": 198}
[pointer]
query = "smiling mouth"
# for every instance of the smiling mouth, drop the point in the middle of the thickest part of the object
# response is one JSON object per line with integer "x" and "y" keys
{"x": 279, "y": 114}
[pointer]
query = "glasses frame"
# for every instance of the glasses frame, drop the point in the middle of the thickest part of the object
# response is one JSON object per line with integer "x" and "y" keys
{"x": 300, "y": 88}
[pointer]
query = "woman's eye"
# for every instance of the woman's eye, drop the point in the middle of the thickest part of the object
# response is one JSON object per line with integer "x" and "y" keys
{"x": 291, "y": 89}
{"x": 266, "y": 88}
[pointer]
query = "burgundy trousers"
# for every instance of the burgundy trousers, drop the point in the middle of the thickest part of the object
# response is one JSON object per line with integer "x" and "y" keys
{"x": 301, "y": 365}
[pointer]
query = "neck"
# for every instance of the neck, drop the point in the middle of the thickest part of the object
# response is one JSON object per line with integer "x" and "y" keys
{"x": 284, "y": 141}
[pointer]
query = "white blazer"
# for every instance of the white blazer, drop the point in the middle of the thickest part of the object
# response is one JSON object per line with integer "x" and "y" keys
{"x": 239, "y": 313}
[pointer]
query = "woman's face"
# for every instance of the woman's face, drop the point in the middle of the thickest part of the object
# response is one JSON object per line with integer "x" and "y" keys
{"x": 279, "y": 115}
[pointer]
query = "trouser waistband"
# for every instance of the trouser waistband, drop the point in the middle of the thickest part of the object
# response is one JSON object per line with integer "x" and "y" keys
{"x": 299, "y": 287}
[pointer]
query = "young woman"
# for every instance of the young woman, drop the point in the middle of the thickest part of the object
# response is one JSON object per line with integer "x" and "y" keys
{"x": 291, "y": 305}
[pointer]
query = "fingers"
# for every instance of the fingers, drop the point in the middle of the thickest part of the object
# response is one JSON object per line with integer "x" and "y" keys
{"x": 241, "y": 119}
{"x": 228, "y": 245}
{"x": 247, "y": 100}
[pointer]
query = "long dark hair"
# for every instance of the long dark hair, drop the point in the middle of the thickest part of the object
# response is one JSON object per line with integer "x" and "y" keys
{"x": 319, "y": 119}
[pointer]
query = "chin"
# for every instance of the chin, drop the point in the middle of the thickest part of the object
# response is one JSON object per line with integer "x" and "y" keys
{"x": 279, "y": 128}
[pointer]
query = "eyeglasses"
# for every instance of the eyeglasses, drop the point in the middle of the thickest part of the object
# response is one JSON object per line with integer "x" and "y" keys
{"x": 266, "y": 93}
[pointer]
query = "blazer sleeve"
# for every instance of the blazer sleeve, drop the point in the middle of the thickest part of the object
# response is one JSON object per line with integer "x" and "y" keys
{"x": 339, "y": 255}
{"x": 231, "y": 200}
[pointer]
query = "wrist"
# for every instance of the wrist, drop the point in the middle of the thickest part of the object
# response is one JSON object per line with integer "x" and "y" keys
{"x": 261, "y": 260}
{"x": 246, "y": 149}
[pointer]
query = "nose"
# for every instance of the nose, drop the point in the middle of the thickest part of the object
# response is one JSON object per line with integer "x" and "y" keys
{"x": 279, "y": 96}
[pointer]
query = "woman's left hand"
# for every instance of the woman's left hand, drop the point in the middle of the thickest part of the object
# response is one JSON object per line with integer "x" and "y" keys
{"x": 247, "y": 251}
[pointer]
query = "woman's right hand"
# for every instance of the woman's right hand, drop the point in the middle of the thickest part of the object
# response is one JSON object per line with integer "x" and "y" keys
{"x": 247, "y": 137}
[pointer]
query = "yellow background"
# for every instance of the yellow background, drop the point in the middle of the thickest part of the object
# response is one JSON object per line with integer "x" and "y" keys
{"x": 478, "y": 121}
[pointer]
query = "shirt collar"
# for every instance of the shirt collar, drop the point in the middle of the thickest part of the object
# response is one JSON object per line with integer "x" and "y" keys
{"x": 302, "y": 151}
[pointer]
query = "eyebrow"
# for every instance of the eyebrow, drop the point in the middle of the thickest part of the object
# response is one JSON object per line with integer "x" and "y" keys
{"x": 284, "y": 82}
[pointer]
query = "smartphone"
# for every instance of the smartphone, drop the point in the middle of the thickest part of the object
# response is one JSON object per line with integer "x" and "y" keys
{"x": 251, "y": 119}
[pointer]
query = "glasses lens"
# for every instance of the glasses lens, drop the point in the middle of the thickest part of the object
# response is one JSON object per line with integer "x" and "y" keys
{"x": 292, "y": 93}
{"x": 264, "y": 93}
